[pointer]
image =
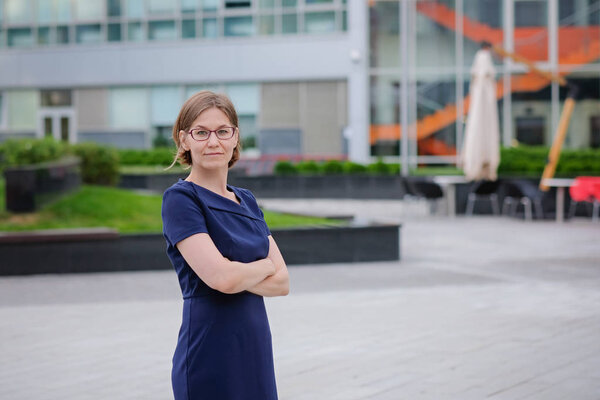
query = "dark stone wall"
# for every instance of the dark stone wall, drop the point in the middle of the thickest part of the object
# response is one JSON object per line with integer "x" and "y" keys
{"x": 55, "y": 252}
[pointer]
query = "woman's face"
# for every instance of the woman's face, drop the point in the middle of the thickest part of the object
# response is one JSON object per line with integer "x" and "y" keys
{"x": 212, "y": 153}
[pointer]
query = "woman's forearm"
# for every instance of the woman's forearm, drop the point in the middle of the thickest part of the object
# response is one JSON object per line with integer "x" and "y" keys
{"x": 236, "y": 277}
{"x": 274, "y": 285}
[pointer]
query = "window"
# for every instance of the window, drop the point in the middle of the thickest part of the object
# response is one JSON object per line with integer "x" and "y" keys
{"x": 209, "y": 5}
{"x": 530, "y": 13}
{"x": 20, "y": 37}
{"x": 319, "y": 22}
{"x": 188, "y": 28}
{"x": 266, "y": 25}
{"x": 189, "y": 6}
{"x": 63, "y": 11}
{"x": 238, "y": 3}
{"x": 161, "y": 6}
{"x": 18, "y": 11}
{"x": 210, "y": 28}
{"x": 245, "y": 97}
{"x": 165, "y": 103}
{"x": 134, "y": 8}
{"x": 128, "y": 108}
{"x": 114, "y": 32}
{"x": 530, "y": 130}
{"x": 56, "y": 98}
{"x": 135, "y": 32}
{"x": 45, "y": 12}
{"x": 88, "y": 33}
{"x": 594, "y": 130}
{"x": 113, "y": 8}
{"x": 239, "y": 26}
{"x": 21, "y": 105}
{"x": 62, "y": 34}
{"x": 289, "y": 23}
{"x": 161, "y": 30}
{"x": 90, "y": 9}
{"x": 44, "y": 35}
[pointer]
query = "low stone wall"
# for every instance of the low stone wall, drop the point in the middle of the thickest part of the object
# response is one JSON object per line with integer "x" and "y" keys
{"x": 31, "y": 186}
{"x": 104, "y": 250}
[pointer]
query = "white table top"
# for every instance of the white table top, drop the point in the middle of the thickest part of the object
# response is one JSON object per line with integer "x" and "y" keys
{"x": 449, "y": 179}
{"x": 558, "y": 182}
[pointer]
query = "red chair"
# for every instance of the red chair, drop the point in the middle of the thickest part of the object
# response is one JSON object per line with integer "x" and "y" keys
{"x": 585, "y": 189}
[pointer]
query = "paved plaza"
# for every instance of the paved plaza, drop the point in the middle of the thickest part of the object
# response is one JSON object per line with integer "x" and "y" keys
{"x": 478, "y": 308}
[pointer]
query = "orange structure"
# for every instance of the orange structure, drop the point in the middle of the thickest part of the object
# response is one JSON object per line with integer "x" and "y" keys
{"x": 586, "y": 50}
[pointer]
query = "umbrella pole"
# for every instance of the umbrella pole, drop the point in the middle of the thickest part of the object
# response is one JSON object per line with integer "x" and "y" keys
{"x": 559, "y": 138}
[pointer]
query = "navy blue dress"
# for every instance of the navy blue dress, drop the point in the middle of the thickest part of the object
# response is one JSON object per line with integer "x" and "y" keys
{"x": 224, "y": 348}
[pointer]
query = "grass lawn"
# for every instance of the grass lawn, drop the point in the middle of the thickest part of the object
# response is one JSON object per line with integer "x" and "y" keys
{"x": 124, "y": 210}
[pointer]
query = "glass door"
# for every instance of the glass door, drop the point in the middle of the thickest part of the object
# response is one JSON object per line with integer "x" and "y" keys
{"x": 58, "y": 124}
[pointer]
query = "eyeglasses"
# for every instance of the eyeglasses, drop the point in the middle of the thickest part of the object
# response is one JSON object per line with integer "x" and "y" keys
{"x": 223, "y": 133}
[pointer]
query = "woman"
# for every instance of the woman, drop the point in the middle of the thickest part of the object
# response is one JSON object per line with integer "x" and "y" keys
{"x": 226, "y": 261}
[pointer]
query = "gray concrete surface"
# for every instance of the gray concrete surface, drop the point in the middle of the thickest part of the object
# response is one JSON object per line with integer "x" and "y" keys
{"x": 478, "y": 308}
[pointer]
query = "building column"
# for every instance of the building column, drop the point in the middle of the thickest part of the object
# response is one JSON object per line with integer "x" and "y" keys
{"x": 358, "y": 82}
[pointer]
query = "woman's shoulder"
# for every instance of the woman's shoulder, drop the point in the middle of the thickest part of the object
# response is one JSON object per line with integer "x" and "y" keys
{"x": 181, "y": 188}
{"x": 242, "y": 192}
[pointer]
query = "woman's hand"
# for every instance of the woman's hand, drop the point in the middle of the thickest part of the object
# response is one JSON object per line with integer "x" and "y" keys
{"x": 277, "y": 284}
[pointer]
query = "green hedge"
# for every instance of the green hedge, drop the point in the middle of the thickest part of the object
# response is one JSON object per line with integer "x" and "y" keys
{"x": 514, "y": 161}
{"x": 158, "y": 156}
{"x": 99, "y": 164}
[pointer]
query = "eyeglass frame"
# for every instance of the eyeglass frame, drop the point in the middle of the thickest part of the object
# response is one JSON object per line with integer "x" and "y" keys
{"x": 211, "y": 132}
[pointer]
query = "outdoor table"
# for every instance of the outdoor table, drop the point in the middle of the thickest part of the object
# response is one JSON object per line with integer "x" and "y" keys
{"x": 560, "y": 184}
{"x": 448, "y": 184}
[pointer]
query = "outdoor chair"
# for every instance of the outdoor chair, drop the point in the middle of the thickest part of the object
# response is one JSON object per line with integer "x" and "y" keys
{"x": 585, "y": 189}
{"x": 484, "y": 190}
{"x": 418, "y": 188}
{"x": 522, "y": 192}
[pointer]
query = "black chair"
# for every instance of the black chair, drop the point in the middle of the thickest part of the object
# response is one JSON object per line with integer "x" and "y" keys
{"x": 523, "y": 192}
{"x": 484, "y": 190}
{"x": 419, "y": 188}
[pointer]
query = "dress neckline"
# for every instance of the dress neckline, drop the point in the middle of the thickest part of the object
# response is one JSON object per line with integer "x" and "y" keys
{"x": 229, "y": 188}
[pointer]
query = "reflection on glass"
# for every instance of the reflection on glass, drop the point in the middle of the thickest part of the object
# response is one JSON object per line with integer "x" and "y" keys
{"x": 17, "y": 11}
{"x": 289, "y": 23}
{"x": 483, "y": 20}
{"x": 318, "y": 1}
{"x": 44, "y": 35}
{"x": 64, "y": 128}
{"x": 384, "y": 115}
{"x": 435, "y": 43}
{"x": 161, "y": 6}
{"x": 135, "y": 32}
{"x": 114, "y": 32}
{"x": 48, "y": 127}
{"x": 239, "y": 26}
{"x": 45, "y": 11}
{"x": 188, "y": 28}
{"x": 88, "y": 33}
{"x": 210, "y": 28}
{"x": 63, "y": 11}
{"x": 161, "y": 30}
{"x": 578, "y": 32}
{"x": 89, "y": 9}
{"x": 531, "y": 111}
{"x": 62, "y": 34}
{"x": 113, "y": 8}
{"x": 209, "y": 5}
{"x": 344, "y": 20}
{"x": 436, "y": 131}
{"x": 189, "y": 6}
{"x": 134, "y": 8}
{"x": 267, "y": 3}
{"x": 238, "y": 3}
{"x": 531, "y": 32}
{"x": 384, "y": 34}
{"x": 266, "y": 25}
{"x": 289, "y": 3}
{"x": 20, "y": 37}
{"x": 584, "y": 127}
{"x": 319, "y": 22}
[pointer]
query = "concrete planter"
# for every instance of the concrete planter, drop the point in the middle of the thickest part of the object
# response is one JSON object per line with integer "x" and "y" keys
{"x": 31, "y": 186}
{"x": 104, "y": 250}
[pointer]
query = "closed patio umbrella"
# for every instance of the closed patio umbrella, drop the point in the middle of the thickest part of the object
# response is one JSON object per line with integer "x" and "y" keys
{"x": 481, "y": 149}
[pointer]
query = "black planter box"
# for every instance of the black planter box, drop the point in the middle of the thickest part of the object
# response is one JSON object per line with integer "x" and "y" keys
{"x": 31, "y": 186}
{"x": 104, "y": 250}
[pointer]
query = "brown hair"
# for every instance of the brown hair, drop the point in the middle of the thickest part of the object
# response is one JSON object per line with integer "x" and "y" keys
{"x": 191, "y": 109}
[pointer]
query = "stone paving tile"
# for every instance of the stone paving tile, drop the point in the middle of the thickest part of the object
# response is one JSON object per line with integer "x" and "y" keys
{"x": 477, "y": 308}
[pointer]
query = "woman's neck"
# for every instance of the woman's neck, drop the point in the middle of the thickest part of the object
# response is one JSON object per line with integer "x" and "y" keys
{"x": 213, "y": 180}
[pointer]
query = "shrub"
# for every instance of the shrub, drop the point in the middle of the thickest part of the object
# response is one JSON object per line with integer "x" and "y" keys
{"x": 378, "y": 167}
{"x": 285, "y": 168}
{"x": 354, "y": 168}
{"x": 308, "y": 167}
{"x": 99, "y": 164}
{"x": 159, "y": 156}
{"x": 15, "y": 152}
{"x": 332, "y": 167}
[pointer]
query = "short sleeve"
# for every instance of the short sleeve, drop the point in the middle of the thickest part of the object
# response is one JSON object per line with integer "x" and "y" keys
{"x": 182, "y": 215}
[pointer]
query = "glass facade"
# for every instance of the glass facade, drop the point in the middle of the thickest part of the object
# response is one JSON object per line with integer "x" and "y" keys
{"x": 420, "y": 72}
{"x": 58, "y": 22}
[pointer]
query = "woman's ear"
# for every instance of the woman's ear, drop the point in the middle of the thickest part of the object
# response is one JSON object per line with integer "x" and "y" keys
{"x": 182, "y": 142}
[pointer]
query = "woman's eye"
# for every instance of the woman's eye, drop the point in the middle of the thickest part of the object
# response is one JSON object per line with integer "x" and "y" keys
{"x": 222, "y": 132}
{"x": 202, "y": 133}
